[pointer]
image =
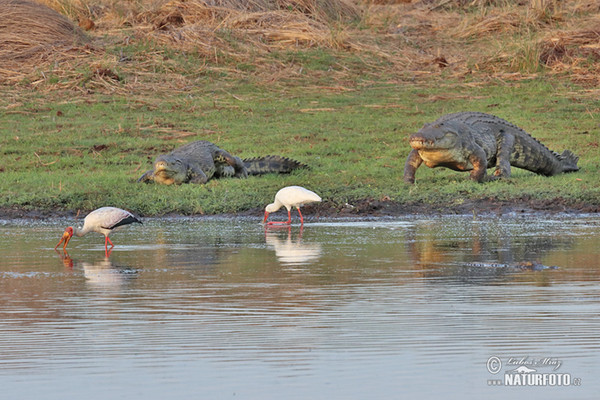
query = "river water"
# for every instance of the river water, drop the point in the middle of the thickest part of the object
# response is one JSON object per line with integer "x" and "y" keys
{"x": 217, "y": 308}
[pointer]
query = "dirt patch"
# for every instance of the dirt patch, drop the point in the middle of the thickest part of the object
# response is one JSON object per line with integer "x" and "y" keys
{"x": 7, "y": 213}
{"x": 377, "y": 208}
{"x": 386, "y": 208}
{"x": 374, "y": 207}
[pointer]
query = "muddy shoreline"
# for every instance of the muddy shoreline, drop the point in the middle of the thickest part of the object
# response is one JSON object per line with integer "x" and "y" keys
{"x": 373, "y": 208}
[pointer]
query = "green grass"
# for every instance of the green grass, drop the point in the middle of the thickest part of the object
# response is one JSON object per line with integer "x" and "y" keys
{"x": 81, "y": 151}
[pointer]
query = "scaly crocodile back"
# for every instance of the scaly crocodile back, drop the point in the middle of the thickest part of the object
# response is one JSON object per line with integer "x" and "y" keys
{"x": 197, "y": 150}
{"x": 271, "y": 164}
{"x": 529, "y": 153}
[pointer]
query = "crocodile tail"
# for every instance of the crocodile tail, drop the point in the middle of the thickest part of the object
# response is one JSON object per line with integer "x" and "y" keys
{"x": 271, "y": 164}
{"x": 568, "y": 161}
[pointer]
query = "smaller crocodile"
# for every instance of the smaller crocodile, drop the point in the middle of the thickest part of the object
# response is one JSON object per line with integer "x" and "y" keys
{"x": 200, "y": 161}
{"x": 524, "y": 266}
{"x": 474, "y": 141}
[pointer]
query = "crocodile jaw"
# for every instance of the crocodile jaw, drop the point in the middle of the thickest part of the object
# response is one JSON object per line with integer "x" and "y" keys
{"x": 419, "y": 143}
{"x": 433, "y": 138}
{"x": 167, "y": 175}
{"x": 440, "y": 146}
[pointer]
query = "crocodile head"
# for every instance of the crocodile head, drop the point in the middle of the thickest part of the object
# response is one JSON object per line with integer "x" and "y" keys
{"x": 435, "y": 136}
{"x": 170, "y": 170}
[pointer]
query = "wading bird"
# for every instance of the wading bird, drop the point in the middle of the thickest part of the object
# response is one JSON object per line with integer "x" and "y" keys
{"x": 288, "y": 197}
{"x": 103, "y": 220}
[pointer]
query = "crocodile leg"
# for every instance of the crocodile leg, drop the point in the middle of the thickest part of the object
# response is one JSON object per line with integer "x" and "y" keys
{"x": 479, "y": 162}
{"x": 237, "y": 164}
{"x": 506, "y": 144}
{"x": 240, "y": 169}
{"x": 413, "y": 161}
{"x": 224, "y": 171}
{"x": 196, "y": 175}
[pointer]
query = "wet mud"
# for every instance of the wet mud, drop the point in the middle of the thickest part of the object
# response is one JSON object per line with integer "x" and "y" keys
{"x": 375, "y": 208}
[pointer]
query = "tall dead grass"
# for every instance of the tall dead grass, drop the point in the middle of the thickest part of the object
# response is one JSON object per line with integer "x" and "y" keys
{"x": 574, "y": 51}
{"x": 282, "y": 23}
{"x": 510, "y": 19}
{"x": 118, "y": 13}
{"x": 31, "y": 34}
{"x": 528, "y": 40}
{"x": 418, "y": 38}
{"x": 234, "y": 28}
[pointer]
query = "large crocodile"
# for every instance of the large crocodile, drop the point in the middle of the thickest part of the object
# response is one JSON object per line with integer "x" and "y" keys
{"x": 200, "y": 161}
{"x": 474, "y": 141}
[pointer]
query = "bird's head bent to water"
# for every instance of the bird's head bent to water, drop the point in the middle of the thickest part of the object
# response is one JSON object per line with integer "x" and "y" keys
{"x": 269, "y": 209}
{"x": 288, "y": 197}
{"x": 67, "y": 235}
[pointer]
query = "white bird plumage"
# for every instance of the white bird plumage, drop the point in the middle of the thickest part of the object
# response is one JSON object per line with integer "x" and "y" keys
{"x": 103, "y": 220}
{"x": 288, "y": 197}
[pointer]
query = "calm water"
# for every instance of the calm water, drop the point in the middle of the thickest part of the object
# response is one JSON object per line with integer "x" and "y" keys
{"x": 220, "y": 308}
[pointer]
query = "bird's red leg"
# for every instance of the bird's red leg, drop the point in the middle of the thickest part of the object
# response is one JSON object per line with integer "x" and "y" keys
{"x": 106, "y": 242}
{"x": 301, "y": 217}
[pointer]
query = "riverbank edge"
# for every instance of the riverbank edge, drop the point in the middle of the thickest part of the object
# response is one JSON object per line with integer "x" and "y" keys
{"x": 368, "y": 208}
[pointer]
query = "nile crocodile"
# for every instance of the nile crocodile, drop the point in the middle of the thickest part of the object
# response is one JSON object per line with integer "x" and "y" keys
{"x": 199, "y": 161}
{"x": 474, "y": 141}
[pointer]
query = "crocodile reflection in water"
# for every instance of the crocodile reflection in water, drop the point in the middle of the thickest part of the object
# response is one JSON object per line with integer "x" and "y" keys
{"x": 480, "y": 251}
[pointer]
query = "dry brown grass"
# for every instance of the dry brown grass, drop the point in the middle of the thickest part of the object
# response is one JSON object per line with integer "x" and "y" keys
{"x": 541, "y": 36}
{"x": 282, "y": 24}
{"x": 418, "y": 38}
{"x": 498, "y": 22}
{"x": 575, "y": 51}
{"x": 534, "y": 16}
{"x": 31, "y": 34}
{"x": 254, "y": 27}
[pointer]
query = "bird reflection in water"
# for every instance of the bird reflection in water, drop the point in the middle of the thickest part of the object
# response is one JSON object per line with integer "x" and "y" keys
{"x": 100, "y": 272}
{"x": 291, "y": 251}
{"x": 66, "y": 259}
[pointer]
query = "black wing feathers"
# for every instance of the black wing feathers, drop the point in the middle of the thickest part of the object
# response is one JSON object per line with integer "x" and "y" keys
{"x": 125, "y": 221}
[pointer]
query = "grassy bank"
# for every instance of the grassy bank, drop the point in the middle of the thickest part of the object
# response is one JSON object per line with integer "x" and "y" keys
{"x": 69, "y": 154}
{"x": 336, "y": 85}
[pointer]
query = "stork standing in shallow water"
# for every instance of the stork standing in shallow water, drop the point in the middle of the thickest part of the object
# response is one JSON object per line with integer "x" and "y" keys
{"x": 103, "y": 220}
{"x": 288, "y": 197}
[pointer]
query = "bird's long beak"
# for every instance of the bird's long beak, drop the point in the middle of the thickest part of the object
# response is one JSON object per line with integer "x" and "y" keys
{"x": 266, "y": 216}
{"x": 65, "y": 237}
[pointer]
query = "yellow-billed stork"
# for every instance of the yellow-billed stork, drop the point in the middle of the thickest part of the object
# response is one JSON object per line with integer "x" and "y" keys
{"x": 288, "y": 197}
{"x": 103, "y": 220}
